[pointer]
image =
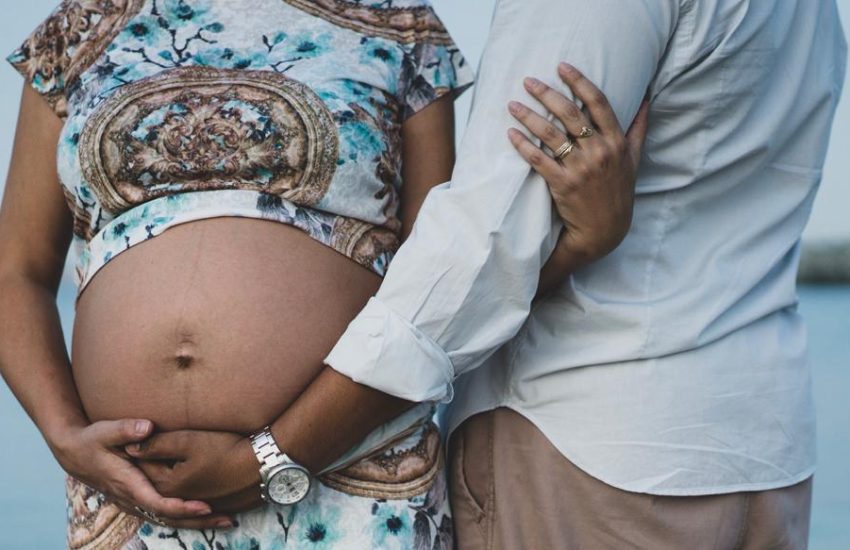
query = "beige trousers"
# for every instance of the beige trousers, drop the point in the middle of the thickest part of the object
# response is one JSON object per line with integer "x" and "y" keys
{"x": 513, "y": 490}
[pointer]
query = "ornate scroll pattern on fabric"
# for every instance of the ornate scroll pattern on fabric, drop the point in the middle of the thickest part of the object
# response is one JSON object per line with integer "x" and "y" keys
{"x": 201, "y": 128}
{"x": 94, "y": 522}
{"x": 365, "y": 243}
{"x": 395, "y": 473}
{"x": 67, "y": 42}
{"x": 402, "y": 24}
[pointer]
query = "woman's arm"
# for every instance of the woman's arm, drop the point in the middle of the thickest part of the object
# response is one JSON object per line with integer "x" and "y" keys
{"x": 35, "y": 233}
{"x": 353, "y": 409}
{"x": 428, "y": 156}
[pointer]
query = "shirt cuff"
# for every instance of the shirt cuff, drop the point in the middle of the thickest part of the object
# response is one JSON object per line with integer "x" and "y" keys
{"x": 383, "y": 350}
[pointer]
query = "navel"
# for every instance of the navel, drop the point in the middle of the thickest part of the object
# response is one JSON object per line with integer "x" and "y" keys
{"x": 184, "y": 360}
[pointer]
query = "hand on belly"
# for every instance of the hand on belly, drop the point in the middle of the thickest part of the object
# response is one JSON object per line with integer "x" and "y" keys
{"x": 218, "y": 468}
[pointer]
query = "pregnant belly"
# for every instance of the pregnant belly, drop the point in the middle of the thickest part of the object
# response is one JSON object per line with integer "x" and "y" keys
{"x": 217, "y": 324}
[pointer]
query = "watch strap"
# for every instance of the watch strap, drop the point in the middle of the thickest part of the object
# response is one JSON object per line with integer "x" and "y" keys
{"x": 272, "y": 460}
{"x": 265, "y": 448}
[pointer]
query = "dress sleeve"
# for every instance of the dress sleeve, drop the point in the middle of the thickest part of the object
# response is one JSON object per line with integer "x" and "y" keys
{"x": 52, "y": 57}
{"x": 433, "y": 65}
{"x": 43, "y": 58}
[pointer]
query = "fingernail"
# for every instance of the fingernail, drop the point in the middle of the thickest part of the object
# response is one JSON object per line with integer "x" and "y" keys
{"x": 142, "y": 427}
{"x": 133, "y": 448}
{"x": 514, "y": 107}
{"x": 200, "y": 508}
{"x": 566, "y": 67}
{"x": 224, "y": 524}
{"x": 532, "y": 83}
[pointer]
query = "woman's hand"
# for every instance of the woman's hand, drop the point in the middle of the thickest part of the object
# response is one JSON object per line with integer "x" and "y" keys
{"x": 217, "y": 467}
{"x": 93, "y": 454}
{"x": 593, "y": 185}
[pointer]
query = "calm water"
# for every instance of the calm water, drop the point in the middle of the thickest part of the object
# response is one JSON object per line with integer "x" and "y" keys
{"x": 32, "y": 507}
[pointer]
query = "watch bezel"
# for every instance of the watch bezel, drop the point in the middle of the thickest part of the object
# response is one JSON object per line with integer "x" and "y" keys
{"x": 274, "y": 471}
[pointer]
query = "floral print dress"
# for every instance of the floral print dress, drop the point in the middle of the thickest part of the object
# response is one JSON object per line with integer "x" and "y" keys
{"x": 286, "y": 110}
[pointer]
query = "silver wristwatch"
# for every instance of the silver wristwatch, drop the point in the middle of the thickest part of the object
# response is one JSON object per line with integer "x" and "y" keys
{"x": 283, "y": 480}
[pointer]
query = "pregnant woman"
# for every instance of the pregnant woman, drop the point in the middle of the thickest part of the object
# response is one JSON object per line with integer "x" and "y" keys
{"x": 230, "y": 176}
{"x": 282, "y": 130}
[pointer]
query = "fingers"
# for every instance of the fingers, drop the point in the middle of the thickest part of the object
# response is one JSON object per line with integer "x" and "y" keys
{"x": 162, "y": 446}
{"x": 545, "y": 165}
{"x": 176, "y": 508}
{"x": 636, "y": 135}
{"x": 166, "y": 479}
{"x": 159, "y": 474}
{"x": 139, "y": 490}
{"x": 218, "y": 521}
{"x": 213, "y": 521}
{"x": 548, "y": 133}
{"x": 116, "y": 433}
{"x": 556, "y": 103}
{"x": 596, "y": 102}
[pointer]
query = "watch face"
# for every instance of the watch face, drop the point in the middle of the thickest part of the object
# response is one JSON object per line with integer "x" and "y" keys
{"x": 289, "y": 485}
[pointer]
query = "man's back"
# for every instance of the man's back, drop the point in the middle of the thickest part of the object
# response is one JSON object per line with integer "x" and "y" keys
{"x": 741, "y": 110}
{"x": 698, "y": 355}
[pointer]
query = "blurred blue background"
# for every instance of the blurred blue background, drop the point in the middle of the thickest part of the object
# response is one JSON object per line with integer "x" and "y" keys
{"x": 31, "y": 484}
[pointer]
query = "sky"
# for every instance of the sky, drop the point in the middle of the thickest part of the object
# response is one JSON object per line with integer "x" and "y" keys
{"x": 468, "y": 20}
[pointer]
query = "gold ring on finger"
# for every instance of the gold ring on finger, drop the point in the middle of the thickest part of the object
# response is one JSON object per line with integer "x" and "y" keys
{"x": 586, "y": 132}
{"x": 564, "y": 150}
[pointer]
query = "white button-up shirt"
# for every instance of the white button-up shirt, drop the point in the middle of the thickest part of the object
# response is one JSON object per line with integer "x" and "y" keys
{"x": 677, "y": 364}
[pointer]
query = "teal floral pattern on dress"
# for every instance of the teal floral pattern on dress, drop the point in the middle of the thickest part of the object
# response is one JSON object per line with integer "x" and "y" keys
{"x": 326, "y": 520}
{"x": 388, "y": 527}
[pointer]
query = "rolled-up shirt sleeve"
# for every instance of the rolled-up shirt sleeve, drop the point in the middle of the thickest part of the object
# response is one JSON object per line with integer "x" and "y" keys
{"x": 463, "y": 282}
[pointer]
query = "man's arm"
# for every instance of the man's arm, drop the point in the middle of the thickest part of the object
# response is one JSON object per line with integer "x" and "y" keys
{"x": 462, "y": 284}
